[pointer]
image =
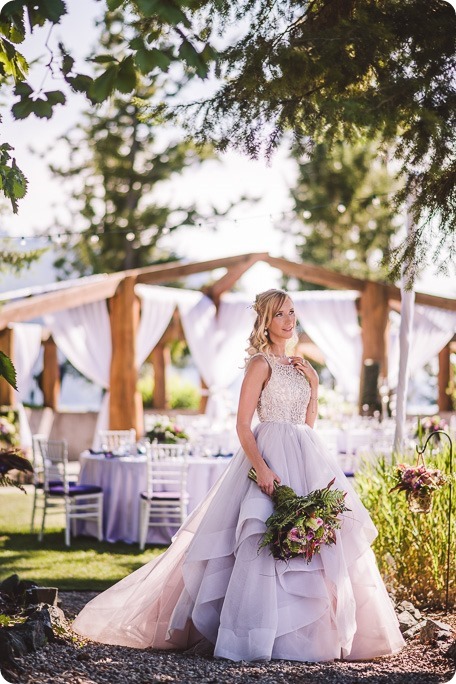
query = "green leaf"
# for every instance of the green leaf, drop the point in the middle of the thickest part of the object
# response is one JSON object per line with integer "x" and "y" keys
{"x": 55, "y": 97}
{"x": 12, "y": 21}
{"x": 23, "y": 108}
{"x": 23, "y": 88}
{"x": 102, "y": 87}
{"x": 147, "y": 60}
{"x": 114, "y": 4}
{"x": 104, "y": 59}
{"x": 67, "y": 64}
{"x": 193, "y": 58}
{"x": 166, "y": 9}
{"x": 80, "y": 83}
{"x": 7, "y": 370}
{"x": 126, "y": 76}
{"x": 53, "y": 10}
{"x": 42, "y": 109}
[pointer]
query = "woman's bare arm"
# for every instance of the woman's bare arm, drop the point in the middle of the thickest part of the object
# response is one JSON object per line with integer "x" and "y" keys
{"x": 255, "y": 378}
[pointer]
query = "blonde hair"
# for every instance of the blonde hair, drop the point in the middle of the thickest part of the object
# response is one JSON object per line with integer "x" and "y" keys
{"x": 266, "y": 305}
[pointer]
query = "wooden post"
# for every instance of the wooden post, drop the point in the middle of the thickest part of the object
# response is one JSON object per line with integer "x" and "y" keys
{"x": 160, "y": 359}
{"x": 204, "y": 397}
{"x": 125, "y": 408}
{"x": 444, "y": 401}
{"x": 50, "y": 383}
{"x": 7, "y": 393}
{"x": 374, "y": 326}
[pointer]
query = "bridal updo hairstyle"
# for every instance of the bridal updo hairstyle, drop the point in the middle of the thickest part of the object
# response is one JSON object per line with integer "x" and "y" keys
{"x": 265, "y": 306}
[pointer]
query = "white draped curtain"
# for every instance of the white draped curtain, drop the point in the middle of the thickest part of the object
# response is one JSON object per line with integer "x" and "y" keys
{"x": 217, "y": 343}
{"x": 26, "y": 350}
{"x": 157, "y": 307}
{"x": 330, "y": 318}
{"x": 83, "y": 334}
{"x": 433, "y": 328}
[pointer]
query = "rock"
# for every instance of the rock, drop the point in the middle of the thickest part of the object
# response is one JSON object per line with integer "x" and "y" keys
{"x": 451, "y": 651}
{"x": 47, "y": 595}
{"x": 413, "y": 631}
{"x": 434, "y": 630}
{"x": 406, "y": 621}
{"x": 30, "y": 635}
{"x": 410, "y": 608}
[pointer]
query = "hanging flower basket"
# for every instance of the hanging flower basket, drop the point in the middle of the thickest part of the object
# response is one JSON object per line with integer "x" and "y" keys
{"x": 419, "y": 501}
{"x": 419, "y": 483}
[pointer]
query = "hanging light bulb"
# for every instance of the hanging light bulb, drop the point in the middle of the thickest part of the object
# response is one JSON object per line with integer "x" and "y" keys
{"x": 94, "y": 239}
{"x": 130, "y": 236}
{"x": 307, "y": 214}
{"x": 376, "y": 201}
{"x": 341, "y": 208}
{"x": 22, "y": 242}
{"x": 58, "y": 239}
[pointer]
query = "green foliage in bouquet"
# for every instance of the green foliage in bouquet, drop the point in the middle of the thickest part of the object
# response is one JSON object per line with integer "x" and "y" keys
{"x": 410, "y": 549}
{"x": 166, "y": 433}
{"x": 12, "y": 459}
{"x": 301, "y": 525}
{"x": 9, "y": 427}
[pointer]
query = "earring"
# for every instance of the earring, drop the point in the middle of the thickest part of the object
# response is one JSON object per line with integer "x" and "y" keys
{"x": 266, "y": 333}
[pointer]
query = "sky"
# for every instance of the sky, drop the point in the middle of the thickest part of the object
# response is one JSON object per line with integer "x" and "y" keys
{"x": 250, "y": 227}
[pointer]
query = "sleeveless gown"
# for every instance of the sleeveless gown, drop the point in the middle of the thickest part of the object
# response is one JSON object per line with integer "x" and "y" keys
{"x": 213, "y": 584}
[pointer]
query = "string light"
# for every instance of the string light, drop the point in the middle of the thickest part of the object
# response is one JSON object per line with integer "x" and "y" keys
{"x": 208, "y": 222}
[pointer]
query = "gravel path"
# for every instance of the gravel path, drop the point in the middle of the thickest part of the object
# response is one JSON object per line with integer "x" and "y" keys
{"x": 75, "y": 661}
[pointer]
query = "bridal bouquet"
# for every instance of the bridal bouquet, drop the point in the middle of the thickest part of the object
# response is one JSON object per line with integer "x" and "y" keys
{"x": 301, "y": 525}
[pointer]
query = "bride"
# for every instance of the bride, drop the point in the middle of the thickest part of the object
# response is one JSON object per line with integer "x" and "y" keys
{"x": 213, "y": 585}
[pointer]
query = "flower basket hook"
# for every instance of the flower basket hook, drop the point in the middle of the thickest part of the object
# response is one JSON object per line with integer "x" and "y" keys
{"x": 420, "y": 454}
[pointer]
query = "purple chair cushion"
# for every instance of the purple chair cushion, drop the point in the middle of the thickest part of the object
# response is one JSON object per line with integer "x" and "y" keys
{"x": 75, "y": 490}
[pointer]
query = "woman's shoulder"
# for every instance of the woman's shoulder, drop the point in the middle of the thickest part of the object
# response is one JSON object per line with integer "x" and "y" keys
{"x": 258, "y": 360}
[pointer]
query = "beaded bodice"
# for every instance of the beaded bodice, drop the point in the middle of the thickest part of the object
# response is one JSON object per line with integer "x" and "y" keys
{"x": 286, "y": 395}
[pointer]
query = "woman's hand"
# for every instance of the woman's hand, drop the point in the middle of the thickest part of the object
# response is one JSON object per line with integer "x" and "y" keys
{"x": 266, "y": 478}
{"x": 306, "y": 369}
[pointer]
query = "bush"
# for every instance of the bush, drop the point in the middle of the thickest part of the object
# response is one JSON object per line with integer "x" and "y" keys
{"x": 411, "y": 548}
{"x": 183, "y": 394}
{"x": 145, "y": 386}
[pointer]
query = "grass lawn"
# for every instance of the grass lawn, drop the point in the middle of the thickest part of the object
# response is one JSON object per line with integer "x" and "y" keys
{"x": 86, "y": 565}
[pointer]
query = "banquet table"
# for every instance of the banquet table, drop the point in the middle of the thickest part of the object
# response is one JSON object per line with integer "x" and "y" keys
{"x": 124, "y": 478}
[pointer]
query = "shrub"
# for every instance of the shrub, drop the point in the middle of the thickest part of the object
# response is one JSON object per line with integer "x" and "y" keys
{"x": 183, "y": 394}
{"x": 411, "y": 548}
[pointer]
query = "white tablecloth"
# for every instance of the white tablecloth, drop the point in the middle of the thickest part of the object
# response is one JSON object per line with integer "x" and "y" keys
{"x": 122, "y": 480}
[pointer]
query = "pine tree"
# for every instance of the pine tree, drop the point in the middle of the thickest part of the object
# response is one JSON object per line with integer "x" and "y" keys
{"x": 116, "y": 163}
{"x": 342, "y": 203}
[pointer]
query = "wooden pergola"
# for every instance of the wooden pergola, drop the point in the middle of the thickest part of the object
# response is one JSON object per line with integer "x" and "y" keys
{"x": 375, "y": 300}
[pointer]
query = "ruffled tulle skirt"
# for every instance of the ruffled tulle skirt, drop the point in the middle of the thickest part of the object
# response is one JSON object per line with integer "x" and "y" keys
{"x": 213, "y": 583}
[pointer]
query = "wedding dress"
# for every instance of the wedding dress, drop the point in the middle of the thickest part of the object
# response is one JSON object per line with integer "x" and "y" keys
{"x": 214, "y": 584}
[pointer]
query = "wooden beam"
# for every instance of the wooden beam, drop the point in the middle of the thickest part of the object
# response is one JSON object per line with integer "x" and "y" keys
{"x": 233, "y": 274}
{"x": 445, "y": 372}
{"x": 50, "y": 383}
{"x": 374, "y": 330}
{"x": 310, "y": 273}
{"x": 7, "y": 393}
{"x": 39, "y": 305}
{"x": 173, "y": 271}
{"x": 394, "y": 294}
{"x": 125, "y": 408}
